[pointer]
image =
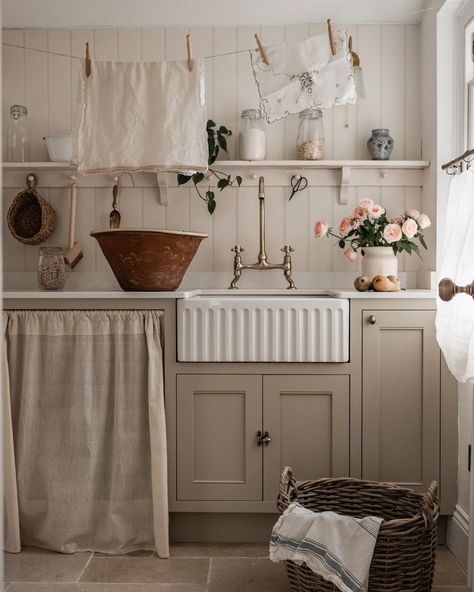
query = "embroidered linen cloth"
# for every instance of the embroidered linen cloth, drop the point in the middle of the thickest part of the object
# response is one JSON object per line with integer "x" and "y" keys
{"x": 141, "y": 116}
{"x": 338, "y": 548}
{"x": 302, "y": 76}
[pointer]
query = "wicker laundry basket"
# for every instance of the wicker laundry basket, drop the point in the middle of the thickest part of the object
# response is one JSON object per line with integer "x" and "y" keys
{"x": 404, "y": 555}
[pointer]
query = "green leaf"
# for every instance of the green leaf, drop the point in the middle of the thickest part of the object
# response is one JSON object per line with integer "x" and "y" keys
{"x": 238, "y": 178}
{"x": 211, "y": 202}
{"x": 182, "y": 179}
{"x": 222, "y": 142}
{"x": 342, "y": 244}
{"x": 210, "y": 123}
{"x": 222, "y": 130}
{"x": 222, "y": 184}
{"x": 363, "y": 252}
{"x": 422, "y": 241}
{"x": 197, "y": 178}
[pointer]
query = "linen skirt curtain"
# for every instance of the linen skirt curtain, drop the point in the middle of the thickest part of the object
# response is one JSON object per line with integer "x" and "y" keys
{"x": 84, "y": 431}
{"x": 455, "y": 319}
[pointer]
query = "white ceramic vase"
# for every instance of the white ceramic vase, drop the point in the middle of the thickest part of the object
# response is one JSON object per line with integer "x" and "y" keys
{"x": 379, "y": 261}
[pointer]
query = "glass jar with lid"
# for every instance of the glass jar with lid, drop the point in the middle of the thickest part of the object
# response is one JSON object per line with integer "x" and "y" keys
{"x": 310, "y": 141}
{"x": 51, "y": 268}
{"x": 252, "y": 135}
{"x": 17, "y": 141}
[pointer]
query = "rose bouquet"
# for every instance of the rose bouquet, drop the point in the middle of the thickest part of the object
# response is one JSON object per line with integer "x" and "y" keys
{"x": 368, "y": 226}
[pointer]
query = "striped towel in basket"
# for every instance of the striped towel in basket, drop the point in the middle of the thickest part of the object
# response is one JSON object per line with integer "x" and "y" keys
{"x": 338, "y": 548}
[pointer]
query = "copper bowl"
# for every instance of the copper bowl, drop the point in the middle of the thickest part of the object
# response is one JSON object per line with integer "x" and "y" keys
{"x": 148, "y": 260}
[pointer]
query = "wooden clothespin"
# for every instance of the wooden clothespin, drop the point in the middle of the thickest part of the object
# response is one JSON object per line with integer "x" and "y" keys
{"x": 261, "y": 49}
{"x": 355, "y": 60}
{"x": 332, "y": 43}
{"x": 88, "y": 61}
{"x": 189, "y": 52}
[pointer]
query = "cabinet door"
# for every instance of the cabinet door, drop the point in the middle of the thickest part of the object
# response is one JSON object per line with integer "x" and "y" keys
{"x": 218, "y": 417}
{"x": 401, "y": 397}
{"x": 307, "y": 418}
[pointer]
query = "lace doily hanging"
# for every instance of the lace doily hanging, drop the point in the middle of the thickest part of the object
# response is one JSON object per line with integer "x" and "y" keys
{"x": 303, "y": 76}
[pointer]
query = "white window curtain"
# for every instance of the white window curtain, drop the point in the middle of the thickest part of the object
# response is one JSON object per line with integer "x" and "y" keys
{"x": 455, "y": 319}
{"x": 84, "y": 431}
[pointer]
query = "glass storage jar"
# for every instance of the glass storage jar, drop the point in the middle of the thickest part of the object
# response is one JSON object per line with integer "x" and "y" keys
{"x": 252, "y": 136}
{"x": 310, "y": 141}
{"x": 17, "y": 141}
{"x": 51, "y": 268}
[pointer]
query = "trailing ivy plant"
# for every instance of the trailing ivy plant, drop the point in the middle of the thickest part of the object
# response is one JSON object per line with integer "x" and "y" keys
{"x": 216, "y": 141}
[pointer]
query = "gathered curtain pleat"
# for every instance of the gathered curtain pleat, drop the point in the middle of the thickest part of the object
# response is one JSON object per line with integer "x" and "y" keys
{"x": 455, "y": 319}
{"x": 85, "y": 462}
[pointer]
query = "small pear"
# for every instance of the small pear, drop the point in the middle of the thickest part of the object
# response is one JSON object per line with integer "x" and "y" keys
{"x": 396, "y": 283}
{"x": 381, "y": 283}
{"x": 362, "y": 283}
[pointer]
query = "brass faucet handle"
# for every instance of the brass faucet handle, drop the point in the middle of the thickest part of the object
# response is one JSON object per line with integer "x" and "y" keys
{"x": 287, "y": 249}
{"x": 237, "y": 249}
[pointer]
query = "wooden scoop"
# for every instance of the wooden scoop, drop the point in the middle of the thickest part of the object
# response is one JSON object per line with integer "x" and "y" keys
{"x": 115, "y": 216}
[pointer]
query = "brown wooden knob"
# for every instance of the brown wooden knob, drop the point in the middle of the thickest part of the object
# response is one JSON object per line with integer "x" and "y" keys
{"x": 447, "y": 289}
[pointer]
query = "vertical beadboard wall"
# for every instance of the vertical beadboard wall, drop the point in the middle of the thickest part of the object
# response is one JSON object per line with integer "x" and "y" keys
{"x": 47, "y": 84}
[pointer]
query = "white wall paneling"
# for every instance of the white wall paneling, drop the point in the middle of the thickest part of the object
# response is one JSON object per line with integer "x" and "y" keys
{"x": 47, "y": 85}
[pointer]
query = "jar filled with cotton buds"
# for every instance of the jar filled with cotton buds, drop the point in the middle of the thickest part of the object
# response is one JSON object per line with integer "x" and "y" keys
{"x": 310, "y": 140}
{"x": 252, "y": 135}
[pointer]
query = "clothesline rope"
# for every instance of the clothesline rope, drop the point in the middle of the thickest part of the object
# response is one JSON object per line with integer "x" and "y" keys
{"x": 64, "y": 55}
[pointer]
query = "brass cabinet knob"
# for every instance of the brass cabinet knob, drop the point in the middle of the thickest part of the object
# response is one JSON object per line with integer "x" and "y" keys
{"x": 263, "y": 439}
{"x": 372, "y": 319}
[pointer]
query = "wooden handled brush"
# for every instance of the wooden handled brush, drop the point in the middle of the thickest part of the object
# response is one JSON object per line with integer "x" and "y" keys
{"x": 74, "y": 252}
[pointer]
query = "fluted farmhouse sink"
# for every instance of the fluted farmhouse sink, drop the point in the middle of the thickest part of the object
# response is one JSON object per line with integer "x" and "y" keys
{"x": 263, "y": 329}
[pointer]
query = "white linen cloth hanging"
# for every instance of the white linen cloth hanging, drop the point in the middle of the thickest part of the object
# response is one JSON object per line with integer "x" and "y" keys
{"x": 302, "y": 76}
{"x": 84, "y": 431}
{"x": 455, "y": 319}
{"x": 141, "y": 116}
{"x": 338, "y": 548}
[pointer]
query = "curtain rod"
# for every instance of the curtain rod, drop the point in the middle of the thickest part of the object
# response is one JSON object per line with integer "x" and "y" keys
{"x": 457, "y": 159}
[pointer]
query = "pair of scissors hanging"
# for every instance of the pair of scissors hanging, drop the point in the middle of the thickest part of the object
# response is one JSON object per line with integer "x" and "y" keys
{"x": 298, "y": 183}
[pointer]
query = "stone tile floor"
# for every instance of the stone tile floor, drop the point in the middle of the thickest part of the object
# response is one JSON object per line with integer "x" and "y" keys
{"x": 191, "y": 568}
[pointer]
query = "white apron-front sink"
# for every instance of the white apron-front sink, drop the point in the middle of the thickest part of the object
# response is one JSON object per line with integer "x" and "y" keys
{"x": 263, "y": 329}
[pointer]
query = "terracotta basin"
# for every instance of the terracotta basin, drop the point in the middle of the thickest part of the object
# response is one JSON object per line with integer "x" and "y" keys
{"x": 148, "y": 260}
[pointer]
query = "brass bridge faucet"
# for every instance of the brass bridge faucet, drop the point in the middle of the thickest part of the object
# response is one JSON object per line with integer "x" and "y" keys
{"x": 262, "y": 263}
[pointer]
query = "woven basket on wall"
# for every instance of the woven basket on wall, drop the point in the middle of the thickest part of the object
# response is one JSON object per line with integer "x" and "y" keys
{"x": 404, "y": 555}
{"x": 30, "y": 218}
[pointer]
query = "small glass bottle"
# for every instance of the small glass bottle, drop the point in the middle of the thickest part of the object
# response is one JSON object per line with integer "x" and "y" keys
{"x": 252, "y": 136}
{"x": 310, "y": 141}
{"x": 51, "y": 268}
{"x": 17, "y": 143}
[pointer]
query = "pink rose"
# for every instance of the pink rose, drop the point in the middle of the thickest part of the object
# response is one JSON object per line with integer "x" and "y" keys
{"x": 409, "y": 228}
{"x": 376, "y": 211}
{"x": 359, "y": 213}
{"x": 350, "y": 255}
{"x": 423, "y": 221}
{"x": 355, "y": 223}
{"x": 320, "y": 228}
{"x": 397, "y": 220}
{"x": 415, "y": 214}
{"x": 345, "y": 224}
{"x": 392, "y": 233}
{"x": 366, "y": 203}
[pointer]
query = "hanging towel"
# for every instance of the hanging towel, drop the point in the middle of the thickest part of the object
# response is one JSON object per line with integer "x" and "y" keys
{"x": 141, "y": 116}
{"x": 338, "y": 548}
{"x": 303, "y": 76}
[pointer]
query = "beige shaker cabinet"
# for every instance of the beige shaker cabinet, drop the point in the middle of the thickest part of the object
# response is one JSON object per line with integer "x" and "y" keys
{"x": 400, "y": 397}
{"x": 222, "y": 419}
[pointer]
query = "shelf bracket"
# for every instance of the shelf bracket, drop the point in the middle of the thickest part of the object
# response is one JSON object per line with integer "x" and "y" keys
{"x": 345, "y": 184}
{"x": 162, "y": 185}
